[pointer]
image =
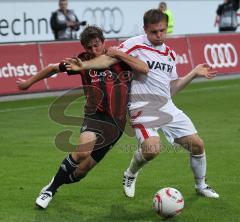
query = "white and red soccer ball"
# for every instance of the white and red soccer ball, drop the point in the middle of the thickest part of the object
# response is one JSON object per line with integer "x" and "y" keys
{"x": 168, "y": 202}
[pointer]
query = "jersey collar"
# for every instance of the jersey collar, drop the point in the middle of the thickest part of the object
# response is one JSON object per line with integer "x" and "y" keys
{"x": 148, "y": 43}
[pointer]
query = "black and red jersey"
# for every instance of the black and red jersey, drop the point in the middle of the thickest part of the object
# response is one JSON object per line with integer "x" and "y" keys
{"x": 106, "y": 90}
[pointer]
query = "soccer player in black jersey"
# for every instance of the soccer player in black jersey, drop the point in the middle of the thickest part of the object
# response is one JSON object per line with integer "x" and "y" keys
{"x": 106, "y": 92}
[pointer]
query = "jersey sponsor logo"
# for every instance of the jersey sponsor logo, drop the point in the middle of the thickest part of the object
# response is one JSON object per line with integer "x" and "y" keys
{"x": 109, "y": 76}
{"x": 99, "y": 76}
{"x": 161, "y": 66}
{"x": 94, "y": 73}
{"x": 221, "y": 55}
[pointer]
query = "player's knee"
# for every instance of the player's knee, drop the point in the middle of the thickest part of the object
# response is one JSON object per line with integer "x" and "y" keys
{"x": 87, "y": 141}
{"x": 78, "y": 175}
{"x": 84, "y": 149}
{"x": 80, "y": 156}
{"x": 151, "y": 148}
{"x": 198, "y": 147}
{"x": 150, "y": 155}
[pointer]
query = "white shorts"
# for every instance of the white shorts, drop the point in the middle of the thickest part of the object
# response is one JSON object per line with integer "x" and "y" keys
{"x": 178, "y": 126}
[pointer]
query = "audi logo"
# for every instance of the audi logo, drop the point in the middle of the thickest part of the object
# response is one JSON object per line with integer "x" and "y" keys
{"x": 109, "y": 19}
{"x": 221, "y": 55}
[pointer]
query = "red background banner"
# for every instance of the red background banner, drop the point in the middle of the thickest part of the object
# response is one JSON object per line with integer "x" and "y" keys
{"x": 220, "y": 51}
{"x": 18, "y": 61}
{"x": 180, "y": 46}
{"x": 23, "y": 60}
{"x": 55, "y": 53}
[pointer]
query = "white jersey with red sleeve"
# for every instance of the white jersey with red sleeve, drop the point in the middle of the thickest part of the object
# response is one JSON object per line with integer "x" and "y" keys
{"x": 151, "y": 107}
{"x": 161, "y": 62}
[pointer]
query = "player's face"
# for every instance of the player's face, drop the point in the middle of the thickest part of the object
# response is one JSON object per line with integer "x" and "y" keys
{"x": 63, "y": 5}
{"x": 156, "y": 33}
{"x": 95, "y": 47}
{"x": 162, "y": 8}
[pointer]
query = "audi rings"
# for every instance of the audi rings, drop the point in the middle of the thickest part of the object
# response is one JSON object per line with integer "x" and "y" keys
{"x": 109, "y": 19}
{"x": 221, "y": 55}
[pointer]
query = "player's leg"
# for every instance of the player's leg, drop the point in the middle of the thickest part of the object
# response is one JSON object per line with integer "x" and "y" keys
{"x": 99, "y": 135}
{"x": 106, "y": 135}
{"x": 65, "y": 173}
{"x": 149, "y": 149}
{"x": 194, "y": 144}
{"x": 182, "y": 131}
{"x": 96, "y": 155}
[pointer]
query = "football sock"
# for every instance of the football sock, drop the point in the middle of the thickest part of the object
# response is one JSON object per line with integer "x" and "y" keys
{"x": 73, "y": 179}
{"x": 137, "y": 162}
{"x": 199, "y": 165}
{"x": 64, "y": 174}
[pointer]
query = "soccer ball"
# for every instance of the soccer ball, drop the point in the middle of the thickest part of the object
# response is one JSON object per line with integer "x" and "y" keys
{"x": 168, "y": 202}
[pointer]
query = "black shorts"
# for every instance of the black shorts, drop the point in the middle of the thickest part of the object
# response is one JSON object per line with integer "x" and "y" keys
{"x": 107, "y": 131}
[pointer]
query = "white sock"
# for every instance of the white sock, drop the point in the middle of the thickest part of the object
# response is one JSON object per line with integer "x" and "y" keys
{"x": 137, "y": 162}
{"x": 199, "y": 166}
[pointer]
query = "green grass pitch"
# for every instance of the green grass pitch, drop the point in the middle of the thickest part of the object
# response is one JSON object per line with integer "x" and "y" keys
{"x": 29, "y": 159}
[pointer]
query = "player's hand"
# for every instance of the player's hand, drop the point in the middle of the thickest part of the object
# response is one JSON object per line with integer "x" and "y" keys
{"x": 75, "y": 64}
{"x": 22, "y": 84}
{"x": 205, "y": 70}
{"x": 70, "y": 24}
{"x": 112, "y": 51}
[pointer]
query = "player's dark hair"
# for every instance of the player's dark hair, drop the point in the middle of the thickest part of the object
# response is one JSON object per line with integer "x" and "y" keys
{"x": 154, "y": 16}
{"x": 90, "y": 33}
{"x": 163, "y": 4}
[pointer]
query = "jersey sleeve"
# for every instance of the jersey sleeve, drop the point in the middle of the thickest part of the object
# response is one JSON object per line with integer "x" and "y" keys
{"x": 219, "y": 10}
{"x": 62, "y": 68}
{"x": 55, "y": 25}
{"x": 174, "y": 74}
{"x": 129, "y": 47}
{"x": 125, "y": 66}
{"x": 83, "y": 56}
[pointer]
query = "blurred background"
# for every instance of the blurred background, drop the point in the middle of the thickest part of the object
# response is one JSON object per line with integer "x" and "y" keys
{"x": 29, "y": 20}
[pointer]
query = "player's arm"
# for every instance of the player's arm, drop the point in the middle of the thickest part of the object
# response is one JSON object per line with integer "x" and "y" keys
{"x": 203, "y": 70}
{"x": 100, "y": 62}
{"x": 136, "y": 64}
{"x": 217, "y": 19}
{"x": 105, "y": 61}
{"x": 46, "y": 72}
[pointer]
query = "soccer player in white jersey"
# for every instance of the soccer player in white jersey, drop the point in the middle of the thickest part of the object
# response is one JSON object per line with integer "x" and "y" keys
{"x": 160, "y": 84}
{"x": 151, "y": 107}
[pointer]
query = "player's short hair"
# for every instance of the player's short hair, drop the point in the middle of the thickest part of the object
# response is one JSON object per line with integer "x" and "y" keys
{"x": 90, "y": 33}
{"x": 163, "y": 4}
{"x": 154, "y": 16}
